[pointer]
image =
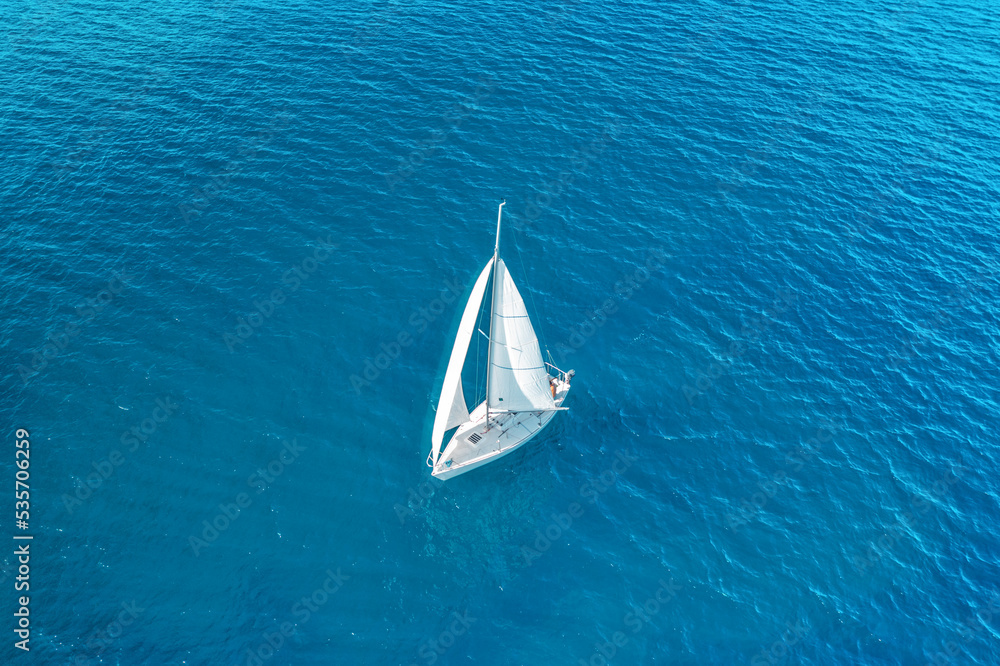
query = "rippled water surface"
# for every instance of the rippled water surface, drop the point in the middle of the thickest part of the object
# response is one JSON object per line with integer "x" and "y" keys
{"x": 763, "y": 234}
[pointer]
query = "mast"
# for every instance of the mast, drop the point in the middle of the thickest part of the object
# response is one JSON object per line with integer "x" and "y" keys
{"x": 493, "y": 303}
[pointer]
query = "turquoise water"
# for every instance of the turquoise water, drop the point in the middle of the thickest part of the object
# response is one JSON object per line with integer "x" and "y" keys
{"x": 764, "y": 236}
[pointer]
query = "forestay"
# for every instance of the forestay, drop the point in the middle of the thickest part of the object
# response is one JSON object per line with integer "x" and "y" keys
{"x": 518, "y": 379}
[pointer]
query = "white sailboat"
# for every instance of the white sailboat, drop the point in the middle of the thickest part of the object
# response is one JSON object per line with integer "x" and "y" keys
{"x": 521, "y": 395}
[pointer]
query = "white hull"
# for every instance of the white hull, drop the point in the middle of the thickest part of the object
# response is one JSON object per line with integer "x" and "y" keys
{"x": 476, "y": 443}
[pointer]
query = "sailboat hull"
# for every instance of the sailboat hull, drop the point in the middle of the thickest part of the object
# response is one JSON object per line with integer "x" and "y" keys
{"x": 476, "y": 443}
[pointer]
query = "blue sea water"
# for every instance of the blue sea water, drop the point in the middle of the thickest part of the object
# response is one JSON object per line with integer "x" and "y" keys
{"x": 762, "y": 233}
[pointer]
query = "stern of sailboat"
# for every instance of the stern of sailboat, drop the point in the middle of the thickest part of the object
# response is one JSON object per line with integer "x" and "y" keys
{"x": 483, "y": 439}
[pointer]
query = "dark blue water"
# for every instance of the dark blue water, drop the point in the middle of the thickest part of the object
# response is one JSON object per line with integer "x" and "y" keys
{"x": 763, "y": 234}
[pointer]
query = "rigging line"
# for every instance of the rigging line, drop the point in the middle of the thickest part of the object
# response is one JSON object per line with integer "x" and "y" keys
{"x": 480, "y": 395}
{"x": 485, "y": 310}
{"x": 478, "y": 363}
{"x": 531, "y": 295}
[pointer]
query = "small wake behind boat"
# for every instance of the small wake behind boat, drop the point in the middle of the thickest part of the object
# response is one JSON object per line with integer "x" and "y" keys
{"x": 521, "y": 395}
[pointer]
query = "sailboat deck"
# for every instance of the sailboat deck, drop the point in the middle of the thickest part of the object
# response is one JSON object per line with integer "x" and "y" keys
{"x": 476, "y": 442}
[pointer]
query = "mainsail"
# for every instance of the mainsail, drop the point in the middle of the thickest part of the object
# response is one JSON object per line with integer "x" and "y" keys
{"x": 452, "y": 409}
{"x": 518, "y": 381}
